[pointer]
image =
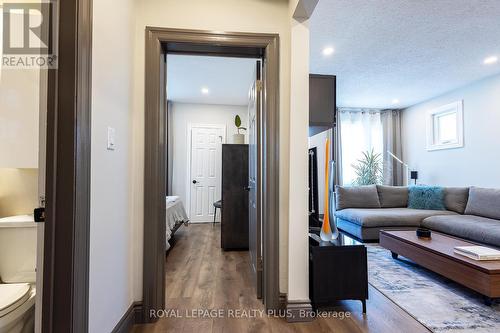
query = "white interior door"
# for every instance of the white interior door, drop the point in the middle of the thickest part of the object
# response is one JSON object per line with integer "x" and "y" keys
{"x": 205, "y": 170}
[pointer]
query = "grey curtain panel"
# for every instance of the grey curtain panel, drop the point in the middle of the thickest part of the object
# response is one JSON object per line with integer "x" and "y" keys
{"x": 394, "y": 172}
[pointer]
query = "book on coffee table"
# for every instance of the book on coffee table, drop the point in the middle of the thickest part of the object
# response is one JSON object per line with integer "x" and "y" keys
{"x": 478, "y": 252}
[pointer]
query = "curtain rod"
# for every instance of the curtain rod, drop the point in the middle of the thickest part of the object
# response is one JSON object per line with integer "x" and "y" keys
{"x": 366, "y": 110}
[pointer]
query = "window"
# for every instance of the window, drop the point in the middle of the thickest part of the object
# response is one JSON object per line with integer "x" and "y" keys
{"x": 445, "y": 127}
{"x": 361, "y": 133}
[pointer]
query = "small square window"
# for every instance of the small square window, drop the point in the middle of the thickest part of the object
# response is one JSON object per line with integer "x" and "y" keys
{"x": 445, "y": 127}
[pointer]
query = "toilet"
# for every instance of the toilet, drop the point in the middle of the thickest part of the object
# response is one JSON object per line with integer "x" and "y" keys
{"x": 18, "y": 236}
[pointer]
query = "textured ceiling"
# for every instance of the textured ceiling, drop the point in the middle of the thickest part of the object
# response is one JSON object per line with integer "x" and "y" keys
{"x": 410, "y": 50}
{"x": 227, "y": 79}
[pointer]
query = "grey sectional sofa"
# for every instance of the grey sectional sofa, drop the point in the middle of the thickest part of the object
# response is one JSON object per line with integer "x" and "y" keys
{"x": 471, "y": 213}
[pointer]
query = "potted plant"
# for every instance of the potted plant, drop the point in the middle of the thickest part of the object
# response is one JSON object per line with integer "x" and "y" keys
{"x": 368, "y": 169}
{"x": 238, "y": 138}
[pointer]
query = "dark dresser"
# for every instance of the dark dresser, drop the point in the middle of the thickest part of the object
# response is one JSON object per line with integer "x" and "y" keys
{"x": 337, "y": 271}
{"x": 234, "y": 222}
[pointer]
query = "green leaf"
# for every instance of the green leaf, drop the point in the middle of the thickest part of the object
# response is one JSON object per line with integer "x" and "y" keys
{"x": 368, "y": 169}
{"x": 237, "y": 121}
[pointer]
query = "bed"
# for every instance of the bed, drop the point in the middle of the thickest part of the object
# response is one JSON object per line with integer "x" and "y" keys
{"x": 175, "y": 216}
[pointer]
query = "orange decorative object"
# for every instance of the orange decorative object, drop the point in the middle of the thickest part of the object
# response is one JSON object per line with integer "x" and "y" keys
{"x": 326, "y": 231}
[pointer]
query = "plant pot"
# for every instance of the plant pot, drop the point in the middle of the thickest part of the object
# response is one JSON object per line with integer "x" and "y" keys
{"x": 239, "y": 138}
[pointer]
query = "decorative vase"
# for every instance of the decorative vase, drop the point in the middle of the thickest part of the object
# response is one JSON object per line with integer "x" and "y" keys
{"x": 239, "y": 139}
{"x": 333, "y": 224}
{"x": 326, "y": 231}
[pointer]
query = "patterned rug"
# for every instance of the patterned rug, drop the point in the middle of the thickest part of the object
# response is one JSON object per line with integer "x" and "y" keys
{"x": 439, "y": 304}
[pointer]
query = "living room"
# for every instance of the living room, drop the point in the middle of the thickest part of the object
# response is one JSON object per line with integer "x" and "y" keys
{"x": 413, "y": 145}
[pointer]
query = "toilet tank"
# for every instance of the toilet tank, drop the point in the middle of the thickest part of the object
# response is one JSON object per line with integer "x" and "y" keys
{"x": 18, "y": 249}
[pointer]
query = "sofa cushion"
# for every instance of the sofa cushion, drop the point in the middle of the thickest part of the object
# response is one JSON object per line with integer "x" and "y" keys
{"x": 484, "y": 202}
{"x": 455, "y": 198}
{"x": 426, "y": 197}
{"x": 392, "y": 196}
{"x": 474, "y": 228}
{"x": 370, "y": 217}
{"x": 356, "y": 197}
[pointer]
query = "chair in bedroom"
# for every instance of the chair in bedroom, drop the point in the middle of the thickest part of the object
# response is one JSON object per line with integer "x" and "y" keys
{"x": 217, "y": 204}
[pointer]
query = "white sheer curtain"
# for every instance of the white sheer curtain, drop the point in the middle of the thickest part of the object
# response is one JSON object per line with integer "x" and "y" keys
{"x": 362, "y": 131}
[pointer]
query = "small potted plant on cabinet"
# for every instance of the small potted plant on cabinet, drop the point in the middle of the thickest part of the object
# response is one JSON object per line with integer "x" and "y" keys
{"x": 238, "y": 138}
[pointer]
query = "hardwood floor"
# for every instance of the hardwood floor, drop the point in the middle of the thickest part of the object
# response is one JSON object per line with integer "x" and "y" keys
{"x": 200, "y": 276}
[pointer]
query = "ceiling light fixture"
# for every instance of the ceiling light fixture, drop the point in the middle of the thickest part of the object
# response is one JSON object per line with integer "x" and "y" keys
{"x": 327, "y": 51}
{"x": 205, "y": 91}
{"x": 395, "y": 101}
{"x": 490, "y": 60}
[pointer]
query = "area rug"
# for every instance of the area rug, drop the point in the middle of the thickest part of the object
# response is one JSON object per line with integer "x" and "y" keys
{"x": 438, "y": 303}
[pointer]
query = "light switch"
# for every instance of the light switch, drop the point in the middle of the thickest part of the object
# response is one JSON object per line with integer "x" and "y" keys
{"x": 111, "y": 138}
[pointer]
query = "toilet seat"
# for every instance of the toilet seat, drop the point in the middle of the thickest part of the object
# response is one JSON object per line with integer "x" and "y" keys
{"x": 12, "y": 296}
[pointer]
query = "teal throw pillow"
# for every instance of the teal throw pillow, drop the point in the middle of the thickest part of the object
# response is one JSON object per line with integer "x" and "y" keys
{"x": 426, "y": 197}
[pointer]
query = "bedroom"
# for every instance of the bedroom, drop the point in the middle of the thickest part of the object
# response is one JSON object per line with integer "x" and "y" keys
{"x": 208, "y": 164}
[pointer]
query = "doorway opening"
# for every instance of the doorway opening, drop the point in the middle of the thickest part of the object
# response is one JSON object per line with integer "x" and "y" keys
{"x": 207, "y": 98}
{"x": 23, "y": 109}
{"x": 45, "y": 165}
{"x": 261, "y": 182}
{"x": 213, "y": 108}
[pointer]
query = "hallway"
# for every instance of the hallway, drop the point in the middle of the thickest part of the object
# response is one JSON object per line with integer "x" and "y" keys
{"x": 200, "y": 276}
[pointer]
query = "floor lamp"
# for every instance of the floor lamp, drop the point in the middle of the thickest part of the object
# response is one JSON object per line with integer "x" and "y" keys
{"x": 407, "y": 168}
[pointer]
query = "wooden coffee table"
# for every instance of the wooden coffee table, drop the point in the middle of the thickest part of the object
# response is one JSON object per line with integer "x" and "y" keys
{"x": 437, "y": 255}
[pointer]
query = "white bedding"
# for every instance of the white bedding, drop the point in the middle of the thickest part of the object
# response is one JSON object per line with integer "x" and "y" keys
{"x": 174, "y": 213}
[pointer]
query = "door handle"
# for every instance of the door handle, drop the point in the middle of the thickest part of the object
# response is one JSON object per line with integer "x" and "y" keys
{"x": 195, "y": 181}
{"x": 247, "y": 188}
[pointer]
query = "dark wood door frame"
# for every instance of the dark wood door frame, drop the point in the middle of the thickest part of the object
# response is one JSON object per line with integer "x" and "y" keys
{"x": 214, "y": 43}
{"x": 65, "y": 299}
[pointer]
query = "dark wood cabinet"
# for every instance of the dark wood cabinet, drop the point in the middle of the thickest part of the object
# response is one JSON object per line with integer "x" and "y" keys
{"x": 234, "y": 222}
{"x": 337, "y": 271}
{"x": 322, "y": 102}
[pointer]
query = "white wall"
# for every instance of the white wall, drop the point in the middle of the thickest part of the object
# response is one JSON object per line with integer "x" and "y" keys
{"x": 298, "y": 226}
{"x": 184, "y": 114}
{"x": 219, "y": 15}
{"x": 19, "y": 110}
{"x": 111, "y": 271}
{"x": 19, "y": 105}
{"x": 117, "y": 176}
{"x": 18, "y": 191}
{"x": 478, "y": 162}
{"x": 19, "y": 138}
